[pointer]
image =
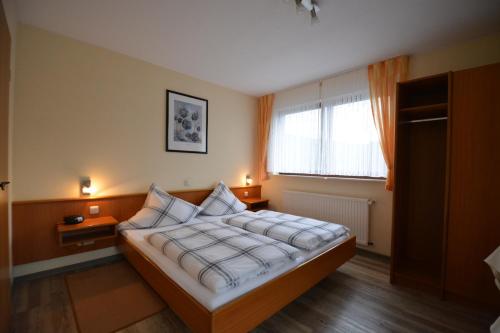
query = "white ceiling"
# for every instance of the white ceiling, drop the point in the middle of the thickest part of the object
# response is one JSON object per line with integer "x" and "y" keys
{"x": 260, "y": 46}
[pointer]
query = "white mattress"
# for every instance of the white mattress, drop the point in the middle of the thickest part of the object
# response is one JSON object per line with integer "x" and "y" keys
{"x": 202, "y": 294}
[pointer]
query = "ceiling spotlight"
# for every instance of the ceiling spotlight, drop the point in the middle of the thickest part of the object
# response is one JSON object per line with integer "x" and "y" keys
{"x": 310, "y": 6}
{"x": 307, "y": 4}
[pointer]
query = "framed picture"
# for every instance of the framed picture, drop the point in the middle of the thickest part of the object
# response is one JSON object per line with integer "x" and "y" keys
{"x": 187, "y": 123}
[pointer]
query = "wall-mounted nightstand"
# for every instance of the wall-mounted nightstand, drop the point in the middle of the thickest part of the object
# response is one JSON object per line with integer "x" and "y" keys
{"x": 255, "y": 204}
{"x": 87, "y": 232}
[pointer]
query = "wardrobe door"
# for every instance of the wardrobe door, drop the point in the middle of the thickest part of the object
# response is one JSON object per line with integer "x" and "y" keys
{"x": 474, "y": 194}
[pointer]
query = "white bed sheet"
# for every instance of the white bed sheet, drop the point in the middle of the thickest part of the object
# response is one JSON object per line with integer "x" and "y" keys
{"x": 203, "y": 295}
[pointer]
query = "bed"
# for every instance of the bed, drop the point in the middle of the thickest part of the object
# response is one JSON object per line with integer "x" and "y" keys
{"x": 244, "y": 307}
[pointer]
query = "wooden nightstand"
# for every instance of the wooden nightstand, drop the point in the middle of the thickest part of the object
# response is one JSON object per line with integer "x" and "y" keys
{"x": 255, "y": 204}
{"x": 87, "y": 232}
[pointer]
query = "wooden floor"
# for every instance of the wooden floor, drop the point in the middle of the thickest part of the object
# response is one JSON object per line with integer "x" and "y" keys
{"x": 357, "y": 298}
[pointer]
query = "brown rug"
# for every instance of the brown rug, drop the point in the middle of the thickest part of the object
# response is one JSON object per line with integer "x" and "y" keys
{"x": 108, "y": 298}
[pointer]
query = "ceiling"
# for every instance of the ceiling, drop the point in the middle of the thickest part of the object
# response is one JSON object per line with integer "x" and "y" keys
{"x": 261, "y": 46}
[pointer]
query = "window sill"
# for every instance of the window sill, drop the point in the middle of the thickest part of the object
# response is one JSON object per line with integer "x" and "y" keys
{"x": 355, "y": 178}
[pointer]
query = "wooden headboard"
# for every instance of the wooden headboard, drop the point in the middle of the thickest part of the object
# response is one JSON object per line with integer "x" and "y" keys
{"x": 33, "y": 222}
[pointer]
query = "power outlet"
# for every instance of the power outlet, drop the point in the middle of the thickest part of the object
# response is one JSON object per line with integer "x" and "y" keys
{"x": 93, "y": 210}
{"x": 245, "y": 194}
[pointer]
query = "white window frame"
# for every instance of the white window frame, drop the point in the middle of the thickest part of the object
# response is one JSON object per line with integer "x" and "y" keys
{"x": 278, "y": 117}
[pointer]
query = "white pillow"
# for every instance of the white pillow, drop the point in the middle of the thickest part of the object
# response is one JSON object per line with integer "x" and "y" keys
{"x": 222, "y": 202}
{"x": 493, "y": 261}
{"x": 161, "y": 209}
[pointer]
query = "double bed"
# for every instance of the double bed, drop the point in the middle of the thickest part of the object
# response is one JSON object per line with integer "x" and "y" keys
{"x": 239, "y": 309}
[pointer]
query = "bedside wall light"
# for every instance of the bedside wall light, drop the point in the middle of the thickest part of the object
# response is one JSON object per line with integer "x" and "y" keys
{"x": 248, "y": 180}
{"x": 86, "y": 187}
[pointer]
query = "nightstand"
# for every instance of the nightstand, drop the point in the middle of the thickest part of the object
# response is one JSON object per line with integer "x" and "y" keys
{"x": 255, "y": 204}
{"x": 87, "y": 232}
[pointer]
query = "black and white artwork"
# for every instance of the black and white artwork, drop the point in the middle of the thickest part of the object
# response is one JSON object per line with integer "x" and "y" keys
{"x": 186, "y": 123}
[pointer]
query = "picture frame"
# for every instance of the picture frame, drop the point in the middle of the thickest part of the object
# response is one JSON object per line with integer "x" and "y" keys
{"x": 186, "y": 123}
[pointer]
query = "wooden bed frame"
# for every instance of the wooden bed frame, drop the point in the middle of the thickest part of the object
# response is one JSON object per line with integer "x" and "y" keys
{"x": 240, "y": 315}
{"x": 249, "y": 310}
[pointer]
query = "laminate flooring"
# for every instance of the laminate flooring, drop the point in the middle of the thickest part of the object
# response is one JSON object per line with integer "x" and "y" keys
{"x": 356, "y": 298}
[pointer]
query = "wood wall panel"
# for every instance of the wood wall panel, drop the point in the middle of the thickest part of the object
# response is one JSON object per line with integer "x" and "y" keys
{"x": 474, "y": 215}
{"x": 34, "y": 231}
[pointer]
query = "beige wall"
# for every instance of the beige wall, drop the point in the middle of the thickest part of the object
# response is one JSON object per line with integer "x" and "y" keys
{"x": 469, "y": 54}
{"x": 474, "y": 53}
{"x": 83, "y": 110}
{"x": 86, "y": 111}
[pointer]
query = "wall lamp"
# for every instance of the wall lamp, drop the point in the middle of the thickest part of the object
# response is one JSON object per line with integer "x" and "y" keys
{"x": 249, "y": 180}
{"x": 86, "y": 187}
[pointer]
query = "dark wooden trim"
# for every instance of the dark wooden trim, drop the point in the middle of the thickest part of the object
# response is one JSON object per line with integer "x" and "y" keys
{"x": 394, "y": 226}
{"x": 447, "y": 185}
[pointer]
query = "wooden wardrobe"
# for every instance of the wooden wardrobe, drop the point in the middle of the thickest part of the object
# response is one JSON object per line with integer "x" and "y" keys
{"x": 446, "y": 217}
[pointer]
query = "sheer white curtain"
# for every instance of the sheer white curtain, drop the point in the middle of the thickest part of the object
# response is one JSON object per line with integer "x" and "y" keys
{"x": 350, "y": 142}
{"x": 333, "y": 136}
{"x": 295, "y": 140}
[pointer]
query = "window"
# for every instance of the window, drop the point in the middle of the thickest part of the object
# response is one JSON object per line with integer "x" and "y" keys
{"x": 337, "y": 138}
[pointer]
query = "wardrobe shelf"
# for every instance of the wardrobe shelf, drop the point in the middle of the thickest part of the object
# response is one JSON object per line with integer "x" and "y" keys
{"x": 425, "y": 108}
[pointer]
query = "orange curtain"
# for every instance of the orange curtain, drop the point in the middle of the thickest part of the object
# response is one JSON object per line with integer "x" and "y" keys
{"x": 382, "y": 78}
{"x": 264, "y": 123}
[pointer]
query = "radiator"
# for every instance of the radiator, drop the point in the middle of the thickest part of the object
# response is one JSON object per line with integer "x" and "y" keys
{"x": 354, "y": 213}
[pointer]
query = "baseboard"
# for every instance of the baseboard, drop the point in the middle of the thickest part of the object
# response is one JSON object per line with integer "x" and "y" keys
{"x": 370, "y": 248}
{"x": 367, "y": 253}
{"x": 71, "y": 268}
{"x": 51, "y": 264}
